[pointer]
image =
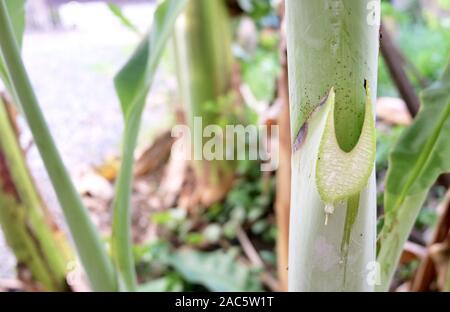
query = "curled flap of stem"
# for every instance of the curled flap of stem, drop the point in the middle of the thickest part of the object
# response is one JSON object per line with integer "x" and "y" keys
{"x": 341, "y": 174}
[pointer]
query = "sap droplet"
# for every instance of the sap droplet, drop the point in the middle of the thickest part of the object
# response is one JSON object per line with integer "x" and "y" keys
{"x": 329, "y": 210}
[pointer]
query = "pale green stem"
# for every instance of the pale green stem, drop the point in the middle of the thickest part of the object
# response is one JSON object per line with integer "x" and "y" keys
{"x": 331, "y": 44}
{"x": 122, "y": 242}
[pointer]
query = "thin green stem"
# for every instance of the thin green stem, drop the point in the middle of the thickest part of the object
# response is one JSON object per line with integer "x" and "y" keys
{"x": 133, "y": 83}
{"x": 122, "y": 243}
{"x": 92, "y": 253}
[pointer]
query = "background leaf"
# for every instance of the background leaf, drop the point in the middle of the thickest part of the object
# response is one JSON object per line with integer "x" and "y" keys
{"x": 422, "y": 153}
{"x": 133, "y": 83}
{"x": 135, "y": 78}
{"x": 117, "y": 11}
{"x": 217, "y": 270}
{"x": 419, "y": 157}
{"x": 16, "y": 11}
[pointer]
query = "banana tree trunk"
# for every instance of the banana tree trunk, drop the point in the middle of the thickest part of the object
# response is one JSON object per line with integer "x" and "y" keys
{"x": 332, "y": 65}
{"x": 204, "y": 61}
{"x": 39, "y": 246}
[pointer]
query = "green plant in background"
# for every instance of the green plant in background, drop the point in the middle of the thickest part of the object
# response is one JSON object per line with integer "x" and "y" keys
{"x": 406, "y": 272}
{"x": 416, "y": 29}
{"x": 218, "y": 270}
{"x": 89, "y": 246}
{"x": 260, "y": 68}
{"x": 205, "y": 72}
{"x": 429, "y": 31}
{"x": 186, "y": 244}
{"x": 40, "y": 247}
{"x": 385, "y": 142}
{"x": 187, "y": 269}
{"x": 416, "y": 161}
{"x": 38, "y": 244}
{"x": 115, "y": 9}
{"x": 256, "y": 9}
{"x": 257, "y": 48}
{"x": 331, "y": 46}
{"x": 16, "y": 9}
{"x": 132, "y": 84}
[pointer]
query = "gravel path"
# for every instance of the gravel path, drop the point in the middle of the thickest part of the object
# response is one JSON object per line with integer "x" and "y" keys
{"x": 72, "y": 72}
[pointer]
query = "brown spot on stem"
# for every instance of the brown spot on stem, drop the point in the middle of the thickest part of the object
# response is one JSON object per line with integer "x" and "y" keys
{"x": 301, "y": 136}
{"x": 303, "y": 132}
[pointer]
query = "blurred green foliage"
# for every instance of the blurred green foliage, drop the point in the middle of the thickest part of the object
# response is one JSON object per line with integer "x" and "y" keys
{"x": 261, "y": 68}
{"x": 188, "y": 269}
{"x": 217, "y": 270}
{"x": 260, "y": 64}
{"x": 406, "y": 271}
{"x": 205, "y": 261}
{"x": 426, "y": 218}
{"x": 423, "y": 36}
{"x": 262, "y": 12}
{"x": 256, "y": 8}
{"x": 385, "y": 141}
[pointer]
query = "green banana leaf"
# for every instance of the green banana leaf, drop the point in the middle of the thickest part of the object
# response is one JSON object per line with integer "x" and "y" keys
{"x": 132, "y": 84}
{"x": 419, "y": 157}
